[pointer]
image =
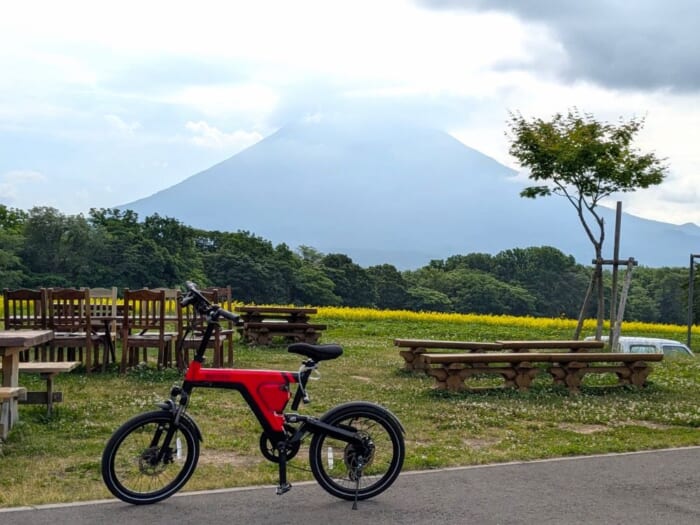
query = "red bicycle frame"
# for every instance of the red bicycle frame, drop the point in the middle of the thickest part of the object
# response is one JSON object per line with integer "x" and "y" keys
{"x": 266, "y": 391}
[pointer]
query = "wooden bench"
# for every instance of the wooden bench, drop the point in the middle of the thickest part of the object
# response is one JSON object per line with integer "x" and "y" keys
{"x": 46, "y": 371}
{"x": 414, "y": 349}
{"x": 518, "y": 369}
{"x": 262, "y": 333}
{"x": 8, "y": 393}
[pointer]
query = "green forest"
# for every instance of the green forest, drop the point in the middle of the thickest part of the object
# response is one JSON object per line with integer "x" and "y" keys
{"x": 43, "y": 247}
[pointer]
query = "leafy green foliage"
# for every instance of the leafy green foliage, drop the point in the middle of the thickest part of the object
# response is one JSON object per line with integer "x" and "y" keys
{"x": 352, "y": 283}
{"x": 12, "y": 273}
{"x": 43, "y": 247}
{"x": 584, "y": 160}
{"x": 390, "y": 286}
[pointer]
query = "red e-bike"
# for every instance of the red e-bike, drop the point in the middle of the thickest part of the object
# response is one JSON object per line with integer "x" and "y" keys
{"x": 356, "y": 450}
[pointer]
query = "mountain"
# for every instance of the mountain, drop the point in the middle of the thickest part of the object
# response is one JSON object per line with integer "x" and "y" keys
{"x": 393, "y": 193}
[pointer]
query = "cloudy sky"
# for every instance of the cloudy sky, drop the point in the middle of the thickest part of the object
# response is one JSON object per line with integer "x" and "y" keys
{"x": 104, "y": 103}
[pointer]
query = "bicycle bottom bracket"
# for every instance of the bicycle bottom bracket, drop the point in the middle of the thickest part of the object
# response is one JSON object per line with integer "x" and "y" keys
{"x": 271, "y": 450}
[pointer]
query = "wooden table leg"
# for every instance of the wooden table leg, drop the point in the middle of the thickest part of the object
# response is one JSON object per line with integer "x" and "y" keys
{"x": 10, "y": 378}
{"x": 49, "y": 392}
{"x": 455, "y": 379}
{"x": 414, "y": 359}
{"x": 440, "y": 375}
{"x": 639, "y": 373}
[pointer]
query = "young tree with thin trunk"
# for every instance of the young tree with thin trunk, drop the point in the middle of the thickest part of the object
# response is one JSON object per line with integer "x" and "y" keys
{"x": 585, "y": 161}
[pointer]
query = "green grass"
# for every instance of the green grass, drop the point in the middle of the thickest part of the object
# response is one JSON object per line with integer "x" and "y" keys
{"x": 58, "y": 459}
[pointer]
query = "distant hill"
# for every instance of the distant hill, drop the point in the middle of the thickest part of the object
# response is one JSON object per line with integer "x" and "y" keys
{"x": 395, "y": 194}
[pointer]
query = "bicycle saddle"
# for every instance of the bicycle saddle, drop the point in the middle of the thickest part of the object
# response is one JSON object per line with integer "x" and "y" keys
{"x": 316, "y": 352}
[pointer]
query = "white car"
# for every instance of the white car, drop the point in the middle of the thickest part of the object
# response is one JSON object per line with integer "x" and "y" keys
{"x": 649, "y": 345}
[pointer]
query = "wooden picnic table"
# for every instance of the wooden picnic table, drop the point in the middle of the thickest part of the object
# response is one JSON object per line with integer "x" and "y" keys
{"x": 262, "y": 323}
{"x": 12, "y": 342}
{"x": 289, "y": 314}
{"x": 551, "y": 344}
{"x": 414, "y": 350}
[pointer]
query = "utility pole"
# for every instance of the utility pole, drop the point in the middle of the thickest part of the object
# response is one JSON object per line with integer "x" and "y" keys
{"x": 616, "y": 256}
{"x": 691, "y": 282}
{"x": 617, "y": 321}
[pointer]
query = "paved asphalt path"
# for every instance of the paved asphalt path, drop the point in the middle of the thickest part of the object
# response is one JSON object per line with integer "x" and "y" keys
{"x": 647, "y": 488}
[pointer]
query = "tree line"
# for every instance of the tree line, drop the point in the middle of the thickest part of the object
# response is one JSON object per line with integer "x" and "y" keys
{"x": 111, "y": 247}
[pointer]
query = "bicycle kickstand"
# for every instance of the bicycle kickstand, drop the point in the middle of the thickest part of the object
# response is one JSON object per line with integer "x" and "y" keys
{"x": 357, "y": 489}
{"x": 283, "y": 486}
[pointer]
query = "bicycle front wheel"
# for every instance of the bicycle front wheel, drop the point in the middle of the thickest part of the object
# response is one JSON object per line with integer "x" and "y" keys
{"x": 350, "y": 471}
{"x": 140, "y": 467}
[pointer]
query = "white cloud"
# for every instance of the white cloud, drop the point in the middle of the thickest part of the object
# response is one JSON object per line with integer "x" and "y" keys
{"x": 16, "y": 185}
{"x": 117, "y": 123}
{"x": 221, "y": 101}
{"x": 313, "y": 118}
{"x": 23, "y": 176}
{"x": 210, "y": 137}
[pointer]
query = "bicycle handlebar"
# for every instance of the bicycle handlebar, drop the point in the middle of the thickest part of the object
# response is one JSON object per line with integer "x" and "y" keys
{"x": 194, "y": 296}
{"x": 228, "y": 315}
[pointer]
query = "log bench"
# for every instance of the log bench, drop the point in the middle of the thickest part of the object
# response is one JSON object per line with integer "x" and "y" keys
{"x": 412, "y": 350}
{"x": 261, "y": 333}
{"x": 46, "y": 371}
{"x": 519, "y": 369}
{"x": 7, "y": 394}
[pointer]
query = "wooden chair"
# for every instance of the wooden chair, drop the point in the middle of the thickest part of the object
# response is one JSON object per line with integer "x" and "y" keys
{"x": 143, "y": 327}
{"x": 69, "y": 318}
{"x": 223, "y": 296}
{"x": 171, "y": 295}
{"x": 25, "y": 309}
{"x": 103, "y": 307}
{"x": 191, "y": 327}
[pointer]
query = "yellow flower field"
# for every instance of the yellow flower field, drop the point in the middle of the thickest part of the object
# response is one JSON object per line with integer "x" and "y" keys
{"x": 369, "y": 314}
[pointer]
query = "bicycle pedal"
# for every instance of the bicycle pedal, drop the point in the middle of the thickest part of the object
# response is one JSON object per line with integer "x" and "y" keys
{"x": 282, "y": 489}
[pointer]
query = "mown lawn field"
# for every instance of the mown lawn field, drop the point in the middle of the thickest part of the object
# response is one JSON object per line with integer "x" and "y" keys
{"x": 58, "y": 459}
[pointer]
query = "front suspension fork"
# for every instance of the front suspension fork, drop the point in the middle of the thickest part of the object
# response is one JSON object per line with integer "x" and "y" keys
{"x": 177, "y": 409}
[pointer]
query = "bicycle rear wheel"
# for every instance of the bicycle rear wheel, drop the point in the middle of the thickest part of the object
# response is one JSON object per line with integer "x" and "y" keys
{"x": 352, "y": 472}
{"x": 131, "y": 467}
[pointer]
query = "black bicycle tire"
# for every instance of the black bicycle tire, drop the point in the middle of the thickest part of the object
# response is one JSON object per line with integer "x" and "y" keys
{"x": 111, "y": 478}
{"x": 358, "y": 410}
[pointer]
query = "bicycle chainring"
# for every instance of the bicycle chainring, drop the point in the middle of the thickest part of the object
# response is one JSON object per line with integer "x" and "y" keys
{"x": 270, "y": 451}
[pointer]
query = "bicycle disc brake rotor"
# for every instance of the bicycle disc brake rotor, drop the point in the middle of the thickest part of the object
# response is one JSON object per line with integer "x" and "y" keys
{"x": 356, "y": 460}
{"x": 147, "y": 462}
